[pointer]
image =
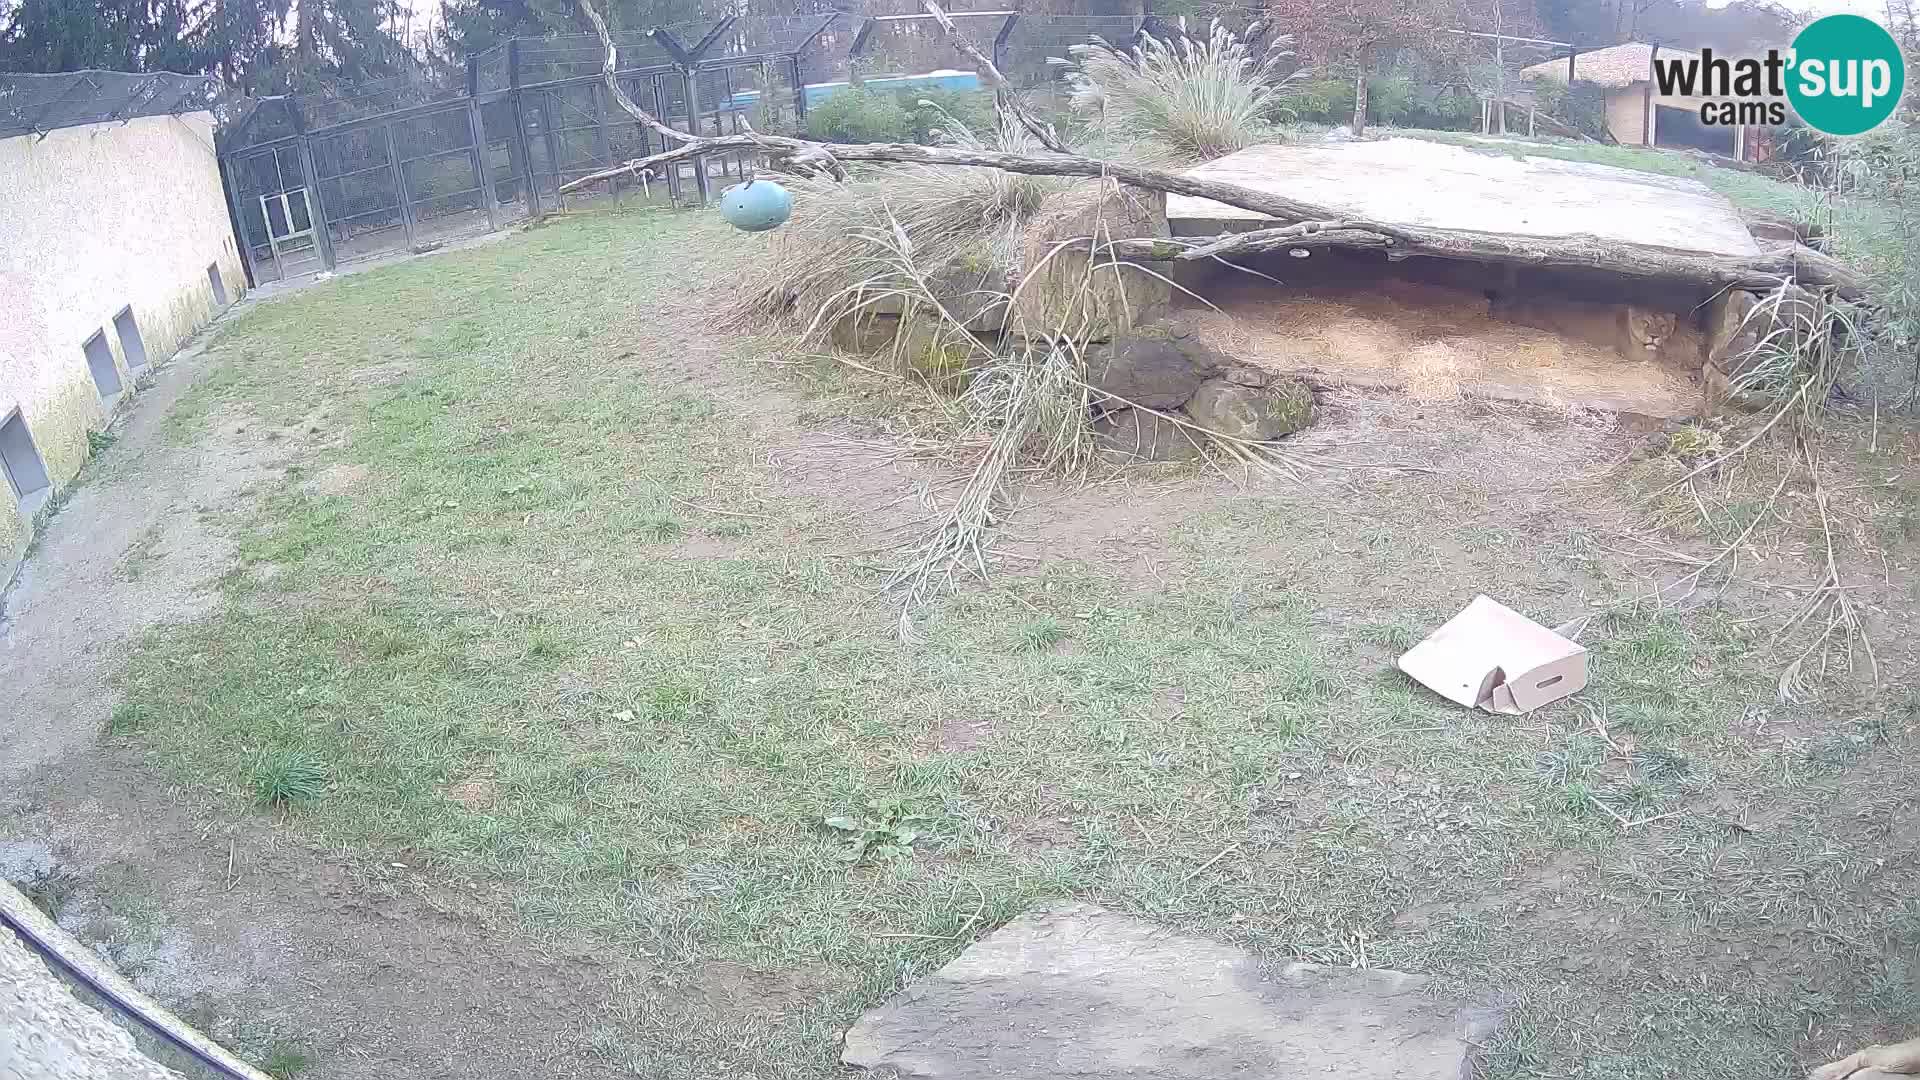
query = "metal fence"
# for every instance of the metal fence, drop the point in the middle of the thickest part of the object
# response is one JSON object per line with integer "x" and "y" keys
{"x": 407, "y": 165}
{"x": 38, "y": 104}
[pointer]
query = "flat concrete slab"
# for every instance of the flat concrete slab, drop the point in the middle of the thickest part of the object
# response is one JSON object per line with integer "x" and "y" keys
{"x": 1075, "y": 990}
{"x": 1495, "y": 189}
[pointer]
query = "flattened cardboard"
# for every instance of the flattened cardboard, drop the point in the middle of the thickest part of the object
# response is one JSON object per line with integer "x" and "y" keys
{"x": 1492, "y": 657}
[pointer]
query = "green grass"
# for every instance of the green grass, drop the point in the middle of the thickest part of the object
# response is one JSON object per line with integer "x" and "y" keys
{"x": 670, "y": 728}
{"x": 285, "y": 776}
{"x": 285, "y": 1063}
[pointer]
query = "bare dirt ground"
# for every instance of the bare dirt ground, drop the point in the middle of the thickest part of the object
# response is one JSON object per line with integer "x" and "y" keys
{"x": 1360, "y": 824}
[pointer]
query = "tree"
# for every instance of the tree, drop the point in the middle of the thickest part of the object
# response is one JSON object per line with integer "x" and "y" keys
{"x": 254, "y": 45}
{"x": 1354, "y": 34}
{"x": 472, "y": 27}
{"x": 1492, "y": 80}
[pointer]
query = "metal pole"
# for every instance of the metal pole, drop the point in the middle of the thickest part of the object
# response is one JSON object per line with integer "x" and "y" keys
{"x": 1652, "y": 59}
{"x": 321, "y": 234}
{"x": 602, "y": 145}
{"x": 548, "y": 137}
{"x": 400, "y": 189}
{"x": 232, "y": 183}
{"x": 693, "y": 117}
{"x": 517, "y": 145}
{"x": 799, "y": 92}
{"x": 483, "y": 163}
{"x": 673, "y": 170}
{"x": 316, "y": 206}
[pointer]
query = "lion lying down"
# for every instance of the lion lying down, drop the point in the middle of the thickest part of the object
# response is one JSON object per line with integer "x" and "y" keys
{"x": 1874, "y": 1063}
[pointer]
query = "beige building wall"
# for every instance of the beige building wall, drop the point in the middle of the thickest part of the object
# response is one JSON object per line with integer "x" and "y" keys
{"x": 94, "y": 219}
{"x": 1627, "y": 115}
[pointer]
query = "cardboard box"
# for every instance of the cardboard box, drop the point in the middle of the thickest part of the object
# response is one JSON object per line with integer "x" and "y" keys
{"x": 1494, "y": 658}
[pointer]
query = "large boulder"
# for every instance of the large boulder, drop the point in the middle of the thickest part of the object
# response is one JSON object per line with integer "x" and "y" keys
{"x": 1158, "y": 366}
{"x": 1734, "y": 332}
{"x": 1254, "y": 413}
{"x": 1076, "y": 990}
{"x": 1133, "y": 434}
{"x": 1116, "y": 298}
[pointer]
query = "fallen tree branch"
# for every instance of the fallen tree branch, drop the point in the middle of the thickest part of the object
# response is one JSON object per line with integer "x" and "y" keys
{"x": 1307, "y": 225}
{"x": 1581, "y": 251}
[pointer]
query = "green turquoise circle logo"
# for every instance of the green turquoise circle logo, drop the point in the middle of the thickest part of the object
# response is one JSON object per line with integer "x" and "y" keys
{"x": 1846, "y": 74}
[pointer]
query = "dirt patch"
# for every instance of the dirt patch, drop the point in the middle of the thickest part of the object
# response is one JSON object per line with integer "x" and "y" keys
{"x": 475, "y": 792}
{"x": 727, "y": 986}
{"x": 339, "y": 479}
{"x": 259, "y": 937}
{"x": 71, "y": 611}
{"x": 380, "y": 374}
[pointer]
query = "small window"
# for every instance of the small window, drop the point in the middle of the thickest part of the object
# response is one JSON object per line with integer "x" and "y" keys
{"x": 26, "y": 474}
{"x": 106, "y": 374}
{"x": 131, "y": 346}
{"x": 219, "y": 287}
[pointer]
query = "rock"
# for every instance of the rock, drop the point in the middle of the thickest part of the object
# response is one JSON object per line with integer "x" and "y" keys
{"x": 973, "y": 293}
{"x": 1118, "y": 297}
{"x": 1280, "y": 408}
{"x": 25, "y": 863}
{"x": 1248, "y": 375}
{"x": 1135, "y": 434}
{"x": 1158, "y": 366}
{"x": 1733, "y": 335}
{"x": 1075, "y": 990}
{"x": 866, "y": 333}
{"x": 933, "y": 349}
{"x": 1732, "y": 329}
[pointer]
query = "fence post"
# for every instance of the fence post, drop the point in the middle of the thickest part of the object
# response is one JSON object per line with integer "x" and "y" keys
{"x": 1000, "y": 42}
{"x": 321, "y": 233}
{"x": 799, "y": 93}
{"x": 517, "y": 145}
{"x": 400, "y": 189}
{"x": 693, "y": 125}
{"x": 232, "y": 183}
{"x": 548, "y": 137}
{"x": 482, "y": 155}
{"x": 316, "y": 206}
{"x": 602, "y": 144}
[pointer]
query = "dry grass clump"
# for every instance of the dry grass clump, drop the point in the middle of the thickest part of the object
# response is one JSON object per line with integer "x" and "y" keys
{"x": 957, "y": 224}
{"x": 1759, "y": 487}
{"x": 1199, "y": 96}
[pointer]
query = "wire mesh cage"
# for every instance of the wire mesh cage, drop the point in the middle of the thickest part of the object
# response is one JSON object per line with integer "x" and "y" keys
{"x": 408, "y": 163}
{"x": 37, "y": 104}
{"x": 372, "y": 99}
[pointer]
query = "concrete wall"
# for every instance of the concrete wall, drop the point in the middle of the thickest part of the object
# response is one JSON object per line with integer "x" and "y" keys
{"x": 93, "y": 219}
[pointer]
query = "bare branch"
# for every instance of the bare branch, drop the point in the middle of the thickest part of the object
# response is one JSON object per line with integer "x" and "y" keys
{"x": 607, "y": 69}
{"x": 1303, "y": 225}
{"x": 1004, "y": 97}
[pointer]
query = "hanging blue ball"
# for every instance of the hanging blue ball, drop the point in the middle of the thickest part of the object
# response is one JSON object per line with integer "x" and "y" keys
{"x": 756, "y": 206}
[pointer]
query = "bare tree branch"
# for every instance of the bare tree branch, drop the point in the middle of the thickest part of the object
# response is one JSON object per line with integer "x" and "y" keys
{"x": 607, "y": 69}
{"x": 1004, "y": 97}
{"x": 1305, "y": 225}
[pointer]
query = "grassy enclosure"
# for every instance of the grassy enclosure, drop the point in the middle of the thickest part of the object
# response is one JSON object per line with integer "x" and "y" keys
{"x": 578, "y": 601}
{"x": 603, "y": 590}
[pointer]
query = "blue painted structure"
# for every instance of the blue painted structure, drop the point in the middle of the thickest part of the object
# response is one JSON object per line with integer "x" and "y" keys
{"x": 819, "y": 92}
